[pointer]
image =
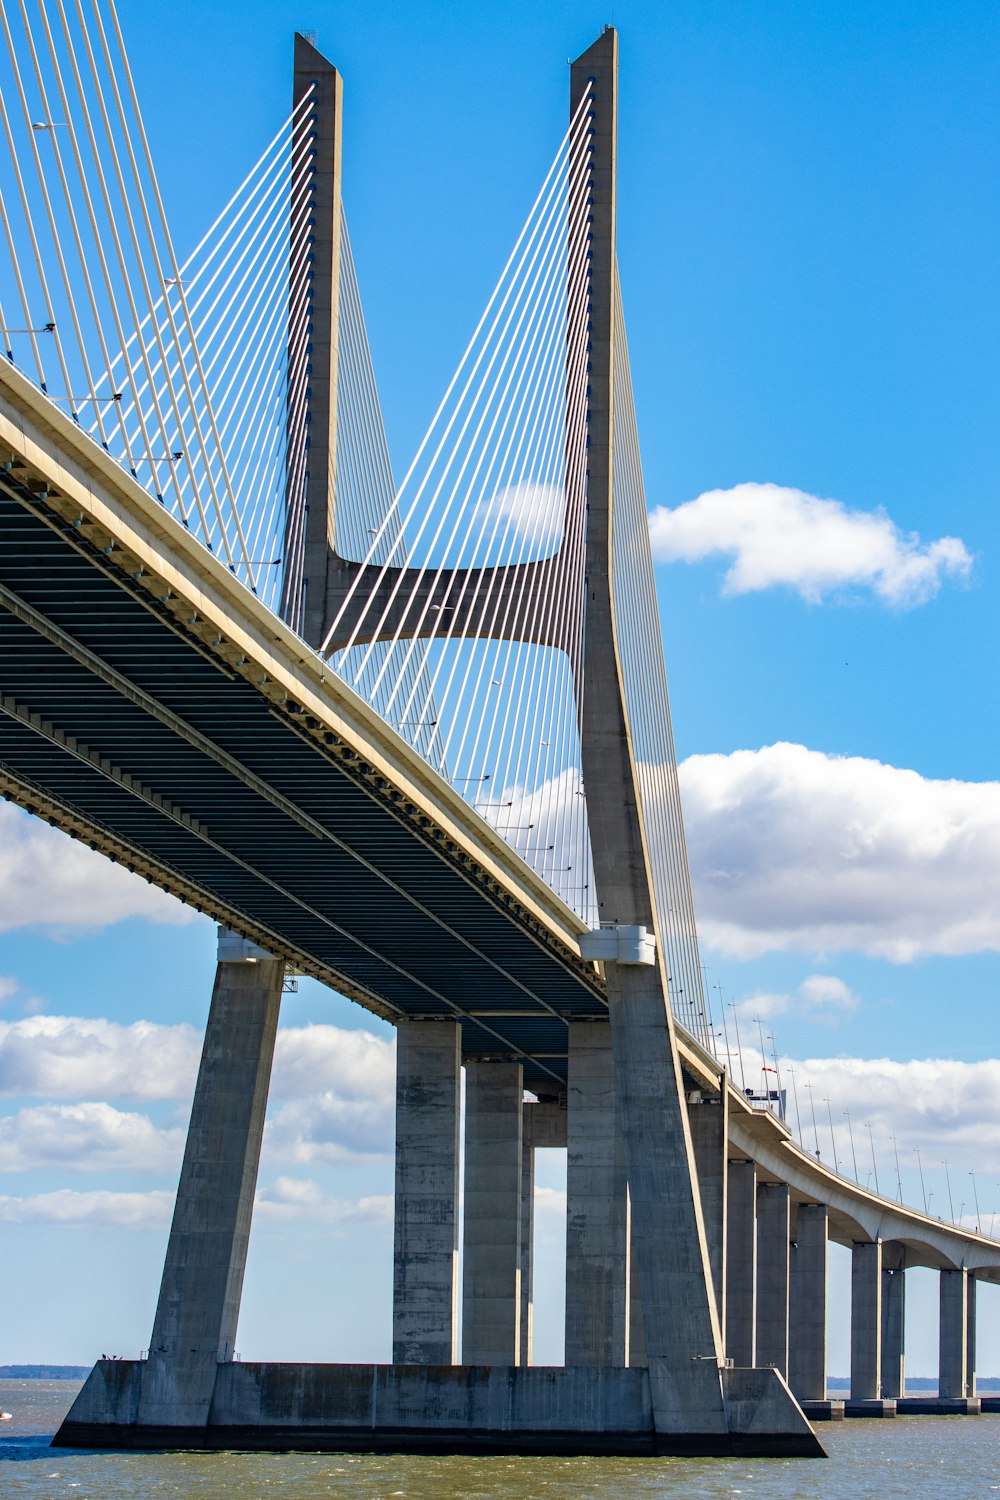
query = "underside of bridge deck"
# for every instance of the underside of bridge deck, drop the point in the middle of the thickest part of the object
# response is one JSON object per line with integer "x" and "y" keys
{"x": 127, "y": 731}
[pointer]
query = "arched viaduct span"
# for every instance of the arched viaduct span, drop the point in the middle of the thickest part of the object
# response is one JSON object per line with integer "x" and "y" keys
{"x": 152, "y": 706}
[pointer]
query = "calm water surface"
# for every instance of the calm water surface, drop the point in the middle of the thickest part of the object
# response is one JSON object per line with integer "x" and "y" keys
{"x": 942, "y": 1458}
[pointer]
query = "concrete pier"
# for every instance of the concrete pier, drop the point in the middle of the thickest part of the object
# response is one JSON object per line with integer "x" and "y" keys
{"x": 425, "y": 1251}
{"x": 596, "y": 1204}
{"x": 773, "y": 1215}
{"x": 953, "y": 1348}
{"x": 491, "y": 1278}
{"x": 741, "y": 1269}
{"x": 807, "y": 1303}
{"x": 893, "y": 1321}
{"x": 194, "y": 1329}
{"x": 708, "y": 1120}
{"x": 866, "y": 1327}
{"x": 527, "y": 1314}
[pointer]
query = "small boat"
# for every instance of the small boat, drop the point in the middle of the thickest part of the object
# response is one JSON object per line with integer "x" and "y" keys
{"x": 6, "y": 1416}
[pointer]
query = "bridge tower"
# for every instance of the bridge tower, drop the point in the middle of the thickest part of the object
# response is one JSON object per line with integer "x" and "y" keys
{"x": 646, "y": 1368}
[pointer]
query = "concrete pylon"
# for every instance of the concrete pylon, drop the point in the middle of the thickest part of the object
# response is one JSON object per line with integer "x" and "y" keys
{"x": 741, "y": 1270}
{"x": 491, "y": 1274}
{"x": 194, "y": 1329}
{"x": 425, "y": 1256}
{"x": 953, "y": 1348}
{"x": 310, "y": 527}
{"x": 866, "y": 1321}
{"x": 773, "y": 1262}
{"x": 693, "y": 1393}
{"x": 807, "y": 1303}
{"x": 596, "y": 1204}
{"x": 893, "y": 1320}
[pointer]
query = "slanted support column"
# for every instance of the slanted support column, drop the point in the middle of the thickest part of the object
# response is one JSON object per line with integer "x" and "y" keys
{"x": 741, "y": 1267}
{"x": 954, "y": 1326}
{"x": 491, "y": 1282}
{"x": 596, "y": 1204}
{"x": 866, "y": 1321}
{"x": 709, "y": 1123}
{"x": 196, "y": 1316}
{"x": 425, "y": 1258}
{"x": 773, "y": 1214}
{"x": 893, "y": 1320}
{"x": 807, "y": 1304}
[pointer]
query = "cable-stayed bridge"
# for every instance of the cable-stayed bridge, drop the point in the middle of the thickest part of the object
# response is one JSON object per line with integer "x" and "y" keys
{"x": 410, "y": 737}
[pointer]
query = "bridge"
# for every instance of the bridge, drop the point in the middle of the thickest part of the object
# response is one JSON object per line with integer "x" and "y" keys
{"x": 413, "y": 740}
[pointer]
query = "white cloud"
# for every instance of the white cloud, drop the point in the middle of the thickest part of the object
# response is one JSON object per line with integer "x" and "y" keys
{"x": 293, "y": 1198}
{"x": 69, "y": 1057}
{"x": 308, "y": 1059}
{"x": 777, "y": 536}
{"x": 791, "y": 848}
{"x": 8, "y": 987}
{"x": 90, "y": 1137}
{"x": 527, "y": 515}
{"x": 66, "y": 1208}
{"x": 49, "y": 880}
{"x": 821, "y": 997}
{"x": 950, "y": 1110}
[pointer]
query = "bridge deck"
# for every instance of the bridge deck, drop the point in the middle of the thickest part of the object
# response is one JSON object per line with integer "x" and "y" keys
{"x": 134, "y": 721}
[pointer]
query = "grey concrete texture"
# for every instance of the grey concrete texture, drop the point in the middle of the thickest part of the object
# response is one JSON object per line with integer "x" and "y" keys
{"x": 807, "y": 1303}
{"x": 953, "y": 1334}
{"x": 741, "y": 1269}
{"x": 199, "y": 1301}
{"x": 773, "y": 1256}
{"x": 893, "y": 1330}
{"x": 449, "y": 1409}
{"x": 425, "y": 1245}
{"x": 597, "y": 1213}
{"x": 491, "y": 1273}
{"x": 708, "y": 1122}
{"x": 866, "y": 1322}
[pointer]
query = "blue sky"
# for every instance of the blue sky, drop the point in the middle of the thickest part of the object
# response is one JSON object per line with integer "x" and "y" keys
{"x": 808, "y": 237}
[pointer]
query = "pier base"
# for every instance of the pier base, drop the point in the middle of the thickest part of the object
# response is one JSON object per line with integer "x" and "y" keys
{"x": 436, "y": 1409}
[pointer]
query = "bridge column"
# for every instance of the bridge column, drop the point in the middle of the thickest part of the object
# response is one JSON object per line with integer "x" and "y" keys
{"x": 709, "y": 1123}
{"x": 491, "y": 1282}
{"x": 970, "y": 1337}
{"x": 773, "y": 1216}
{"x": 527, "y": 1310}
{"x": 194, "y": 1329}
{"x": 893, "y": 1321}
{"x": 425, "y": 1259}
{"x": 953, "y": 1354}
{"x": 636, "y": 1326}
{"x": 866, "y": 1321}
{"x": 596, "y": 1204}
{"x": 807, "y": 1304}
{"x": 741, "y": 1267}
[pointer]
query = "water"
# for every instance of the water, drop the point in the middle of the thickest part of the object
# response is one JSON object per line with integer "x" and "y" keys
{"x": 941, "y": 1458}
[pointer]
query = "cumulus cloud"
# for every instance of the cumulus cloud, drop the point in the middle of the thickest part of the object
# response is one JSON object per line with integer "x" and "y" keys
{"x": 68, "y": 1209}
{"x": 293, "y": 1198}
{"x": 49, "y": 880}
{"x": 91, "y": 1137}
{"x": 69, "y": 1057}
{"x": 950, "y": 1110}
{"x": 782, "y": 537}
{"x": 310, "y": 1059}
{"x": 792, "y": 848}
{"x": 821, "y": 997}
